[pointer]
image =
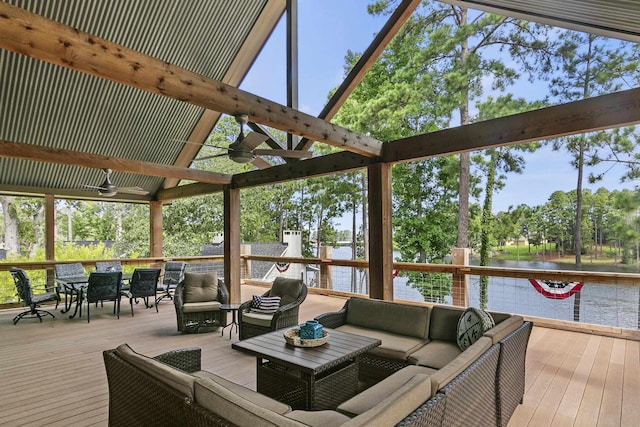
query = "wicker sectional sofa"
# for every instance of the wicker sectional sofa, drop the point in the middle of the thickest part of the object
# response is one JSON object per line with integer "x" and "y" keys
{"x": 481, "y": 385}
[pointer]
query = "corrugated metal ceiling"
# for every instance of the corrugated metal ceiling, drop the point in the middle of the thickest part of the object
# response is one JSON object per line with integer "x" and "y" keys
{"x": 47, "y": 105}
{"x": 44, "y": 104}
{"x": 611, "y": 18}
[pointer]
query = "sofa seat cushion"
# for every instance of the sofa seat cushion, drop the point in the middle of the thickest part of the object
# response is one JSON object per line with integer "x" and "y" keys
{"x": 446, "y": 374}
{"x": 395, "y": 407}
{"x": 257, "y": 319}
{"x": 436, "y": 354}
{"x": 175, "y": 378}
{"x": 393, "y": 346}
{"x": 248, "y": 394}
{"x": 319, "y": 418}
{"x": 198, "y": 307}
{"x": 235, "y": 408}
{"x": 395, "y": 318}
{"x": 364, "y": 401}
{"x": 504, "y": 328}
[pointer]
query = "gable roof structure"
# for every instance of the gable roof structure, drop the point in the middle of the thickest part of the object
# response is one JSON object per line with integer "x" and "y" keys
{"x": 123, "y": 84}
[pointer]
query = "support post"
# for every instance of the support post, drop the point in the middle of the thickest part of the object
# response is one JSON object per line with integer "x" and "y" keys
{"x": 232, "y": 243}
{"x": 460, "y": 282}
{"x": 292, "y": 64}
{"x": 326, "y": 274}
{"x": 155, "y": 229}
{"x": 380, "y": 233}
{"x": 245, "y": 266}
{"x": 50, "y": 236}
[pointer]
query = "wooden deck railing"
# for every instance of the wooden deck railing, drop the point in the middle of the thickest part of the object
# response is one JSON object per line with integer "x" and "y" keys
{"x": 327, "y": 270}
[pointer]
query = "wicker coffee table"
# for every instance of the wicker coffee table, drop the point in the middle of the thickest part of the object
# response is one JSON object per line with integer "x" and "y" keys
{"x": 307, "y": 378}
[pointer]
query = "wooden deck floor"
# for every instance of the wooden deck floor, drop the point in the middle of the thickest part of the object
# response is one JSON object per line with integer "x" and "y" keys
{"x": 52, "y": 374}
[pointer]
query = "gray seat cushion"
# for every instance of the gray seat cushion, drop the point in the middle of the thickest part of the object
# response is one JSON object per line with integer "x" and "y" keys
{"x": 318, "y": 418}
{"x": 370, "y": 397}
{"x": 393, "y": 346}
{"x": 436, "y": 354}
{"x": 198, "y": 307}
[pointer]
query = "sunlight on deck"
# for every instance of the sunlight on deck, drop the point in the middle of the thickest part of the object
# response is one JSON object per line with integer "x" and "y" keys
{"x": 53, "y": 374}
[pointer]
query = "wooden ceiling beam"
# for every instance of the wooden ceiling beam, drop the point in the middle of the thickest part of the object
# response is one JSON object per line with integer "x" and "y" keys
{"x": 324, "y": 165}
{"x": 87, "y": 160}
{"x": 35, "y": 36}
{"x": 588, "y": 115}
{"x": 369, "y": 57}
{"x": 188, "y": 190}
{"x": 241, "y": 64}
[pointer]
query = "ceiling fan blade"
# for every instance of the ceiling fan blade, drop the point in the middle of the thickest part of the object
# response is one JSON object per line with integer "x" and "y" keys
{"x": 260, "y": 163}
{"x": 94, "y": 187}
{"x": 294, "y": 154}
{"x": 213, "y": 156}
{"x": 252, "y": 140}
{"x": 133, "y": 190}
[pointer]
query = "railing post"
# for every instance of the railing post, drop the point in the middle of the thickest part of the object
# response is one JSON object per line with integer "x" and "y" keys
{"x": 460, "y": 282}
{"x": 326, "y": 278}
{"x": 245, "y": 263}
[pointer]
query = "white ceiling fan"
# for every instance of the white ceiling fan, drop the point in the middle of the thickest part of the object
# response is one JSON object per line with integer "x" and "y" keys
{"x": 107, "y": 189}
{"x": 243, "y": 149}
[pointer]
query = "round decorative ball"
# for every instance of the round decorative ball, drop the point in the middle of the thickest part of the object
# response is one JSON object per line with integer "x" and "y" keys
{"x": 471, "y": 325}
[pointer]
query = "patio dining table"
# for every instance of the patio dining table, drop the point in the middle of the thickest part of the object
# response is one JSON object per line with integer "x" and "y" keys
{"x": 76, "y": 285}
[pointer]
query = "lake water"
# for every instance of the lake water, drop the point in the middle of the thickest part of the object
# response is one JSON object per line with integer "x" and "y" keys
{"x": 609, "y": 305}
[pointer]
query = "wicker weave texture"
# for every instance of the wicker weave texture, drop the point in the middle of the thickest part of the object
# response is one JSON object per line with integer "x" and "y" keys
{"x": 511, "y": 372}
{"x": 301, "y": 391}
{"x": 471, "y": 396}
{"x": 287, "y": 315}
{"x": 373, "y": 368}
{"x": 212, "y": 319}
{"x": 429, "y": 414}
{"x": 136, "y": 398}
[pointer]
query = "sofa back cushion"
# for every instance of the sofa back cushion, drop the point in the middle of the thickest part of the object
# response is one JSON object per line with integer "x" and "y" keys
{"x": 175, "y": 378}
{"x": 287, "y": 289}
{"x": 235, "y": 408}
{"x": 444, "y": 323}
{"x": 401, "y": 319}
{"x": 200, "y": 287}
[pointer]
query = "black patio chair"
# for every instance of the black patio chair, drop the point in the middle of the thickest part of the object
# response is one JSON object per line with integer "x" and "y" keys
{"x": 31, "y": 300}
{"x": 173, "y": 276}
{"x": 104, "y": 287}
{"x": 66, "y": 271}
{"x": 143, "y": 284}
{"x": 107, "y": 266}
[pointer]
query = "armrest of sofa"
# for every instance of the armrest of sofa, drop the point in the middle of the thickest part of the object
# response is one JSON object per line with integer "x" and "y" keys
{"x": 333, "y": 319}
{"x": 397, "y": 405}
{"x": 185, "y": 359}
{"x": 504, "y": 328}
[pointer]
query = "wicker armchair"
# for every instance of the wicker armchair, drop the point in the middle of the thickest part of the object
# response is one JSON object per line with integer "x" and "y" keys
{"x": 197, "y": 310}
{"x": 292, "y": 293}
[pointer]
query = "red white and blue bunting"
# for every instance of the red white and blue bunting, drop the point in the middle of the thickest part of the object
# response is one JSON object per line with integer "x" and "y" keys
{"x": 554, "y": 289}
{"x": 282, "y": 266}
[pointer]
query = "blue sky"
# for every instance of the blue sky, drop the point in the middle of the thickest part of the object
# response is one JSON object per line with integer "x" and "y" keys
{"x": 325, "y": 36}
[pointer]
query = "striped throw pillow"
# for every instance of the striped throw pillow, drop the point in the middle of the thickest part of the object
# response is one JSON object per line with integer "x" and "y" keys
{"x": 267, "y": 305}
